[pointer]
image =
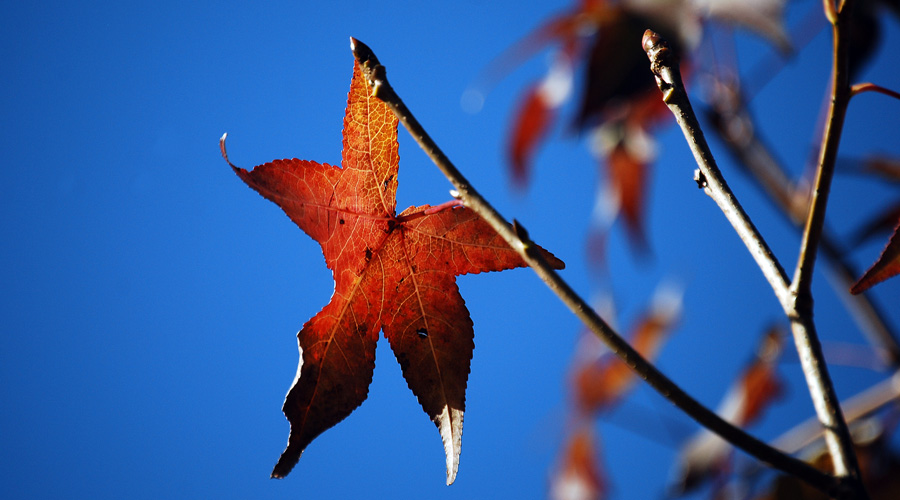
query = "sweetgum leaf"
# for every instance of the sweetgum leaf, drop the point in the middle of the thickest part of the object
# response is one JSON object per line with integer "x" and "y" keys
{"x": 393, "y": 273}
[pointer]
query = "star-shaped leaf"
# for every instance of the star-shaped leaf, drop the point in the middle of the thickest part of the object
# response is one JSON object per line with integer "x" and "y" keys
{"x": 393, "y": 273}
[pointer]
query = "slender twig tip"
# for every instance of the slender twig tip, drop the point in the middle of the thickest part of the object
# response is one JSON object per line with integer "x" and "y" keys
{"x": 363, "y": 53}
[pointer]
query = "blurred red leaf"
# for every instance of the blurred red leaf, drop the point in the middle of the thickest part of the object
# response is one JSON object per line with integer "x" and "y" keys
{"x": 760, "y": 384}
{"x": 530, "y": 127}
{"x": 627, "y": 176}
{"x": 395, "y": 273}
{"x": 887, "y": 168}
{"x": 600, "y": 383}
{"x": 706, "y": 456}
{"x": 887, "y": 265}
{"x": 578, "y": 476}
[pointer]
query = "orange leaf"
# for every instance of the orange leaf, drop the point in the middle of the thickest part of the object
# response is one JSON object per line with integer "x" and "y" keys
{"x": 393, "y": 273}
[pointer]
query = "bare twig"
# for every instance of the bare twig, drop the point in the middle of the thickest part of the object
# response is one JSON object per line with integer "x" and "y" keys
{"x": 821, "y": 389}
{"x": 518, "y": 239}
{"x": 668, "y": 77}
{"x": 736, "y": 128}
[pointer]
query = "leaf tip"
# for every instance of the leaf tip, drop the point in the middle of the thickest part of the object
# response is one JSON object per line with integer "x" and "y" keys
{"x": 224, "y": 151}
{"x": 449, "y": 423}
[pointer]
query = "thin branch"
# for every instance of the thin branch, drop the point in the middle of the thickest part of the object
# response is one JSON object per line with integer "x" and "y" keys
{"x": 859, "y": 88}
{"x": 809, "y": 348}
{"x": 518, "y": 239}
{"x": 736, "y": 127}
{"x": 858, "y": 407}
{"x": 668, "y": 77}
{"x": 828, "y": 155}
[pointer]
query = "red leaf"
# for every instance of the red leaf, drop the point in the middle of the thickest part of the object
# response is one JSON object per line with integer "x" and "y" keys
{"x": 707, "y": 456}
{"x": 887, "y": 265}
{"x": 530, "y": 126}
{"x": 395, "y": 273}
{"x": 760, "y": 384}
{"x": 536, "y": 115}
{"x": 628, "y": 179}
{"x": 601, "y": 383}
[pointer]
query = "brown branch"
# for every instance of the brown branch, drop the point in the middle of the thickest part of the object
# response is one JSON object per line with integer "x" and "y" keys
{"x": 800, "y": 312}
{"x": 518, "y": 239}
{"x": 668, "y": 78}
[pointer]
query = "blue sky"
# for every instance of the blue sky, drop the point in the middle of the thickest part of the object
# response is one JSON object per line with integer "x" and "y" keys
{"x": 151, "y": 300}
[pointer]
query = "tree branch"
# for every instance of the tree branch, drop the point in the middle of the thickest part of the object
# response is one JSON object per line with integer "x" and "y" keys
{"x": 821, "y": 389}
{"x": 518, "y": 239}
{"x": 736, "y": 127}
{"x": 668, "y": 78}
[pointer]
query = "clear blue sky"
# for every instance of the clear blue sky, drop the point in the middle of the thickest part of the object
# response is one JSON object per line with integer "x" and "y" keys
{"x": 151, "y": 300}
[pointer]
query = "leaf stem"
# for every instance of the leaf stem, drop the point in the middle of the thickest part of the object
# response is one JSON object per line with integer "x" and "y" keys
{"x": 518, "y": 239}
{"x": 860, "y": 88}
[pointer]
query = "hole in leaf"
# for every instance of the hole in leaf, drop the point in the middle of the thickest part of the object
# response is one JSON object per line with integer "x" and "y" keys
{"x": 423, "y": 333}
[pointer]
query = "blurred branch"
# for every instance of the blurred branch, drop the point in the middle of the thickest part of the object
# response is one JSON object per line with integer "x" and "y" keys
{"x": 797, "y": 300}
{"x": 736, "y": 127}
{"x": 516, "y": 236}
{"x": 857, "y": 407}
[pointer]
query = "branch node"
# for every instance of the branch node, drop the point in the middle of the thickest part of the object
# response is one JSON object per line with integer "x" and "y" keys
{"x": 700, "y": 179}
